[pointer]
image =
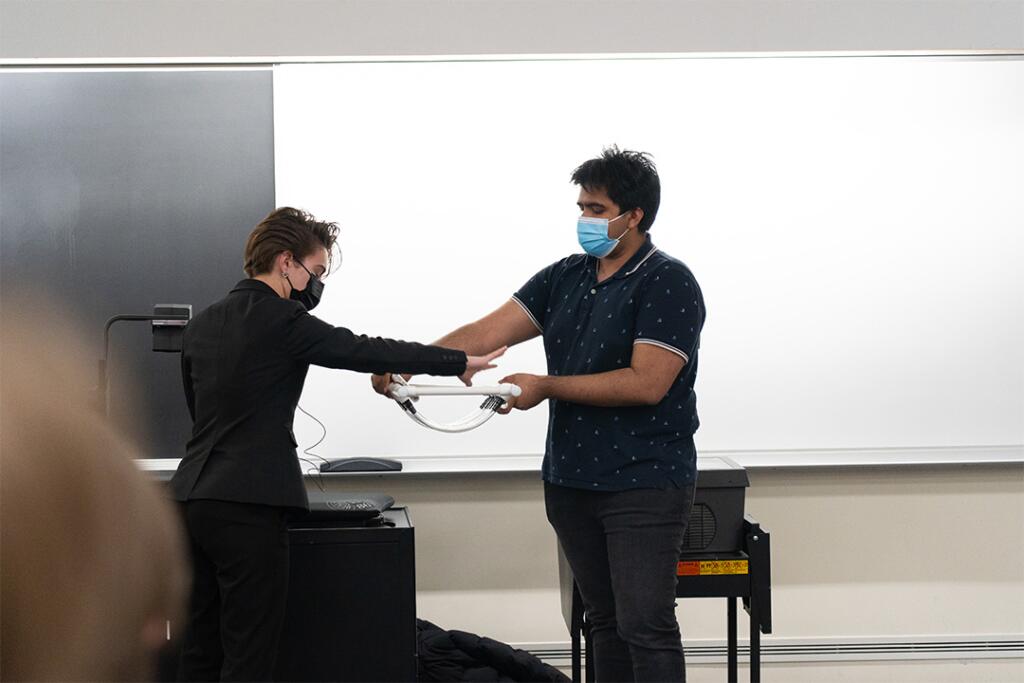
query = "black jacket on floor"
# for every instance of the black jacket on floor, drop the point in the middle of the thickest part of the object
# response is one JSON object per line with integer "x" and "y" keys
{"x": 447, "y": 656}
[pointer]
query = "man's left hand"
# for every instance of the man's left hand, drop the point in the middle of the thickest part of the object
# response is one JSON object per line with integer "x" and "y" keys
{"x": 533, "y": 392}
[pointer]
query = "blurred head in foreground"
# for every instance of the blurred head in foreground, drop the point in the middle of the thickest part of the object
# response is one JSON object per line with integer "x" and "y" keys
{"x": 91, "y": 559}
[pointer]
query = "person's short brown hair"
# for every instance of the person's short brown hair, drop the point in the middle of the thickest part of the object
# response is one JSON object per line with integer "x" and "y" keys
{"x": 286, "y": 229}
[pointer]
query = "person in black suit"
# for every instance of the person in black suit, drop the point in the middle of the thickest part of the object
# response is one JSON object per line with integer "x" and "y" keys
{"x": 244, "y": 362}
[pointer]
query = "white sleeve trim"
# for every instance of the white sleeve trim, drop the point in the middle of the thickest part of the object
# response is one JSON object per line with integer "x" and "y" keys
{"x": 663, "y": 345}
{"x": 527, "y": 311}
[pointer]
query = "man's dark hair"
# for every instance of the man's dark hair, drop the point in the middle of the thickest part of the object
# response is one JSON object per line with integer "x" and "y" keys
{"x": 629, "y": 178}
{"x": 286, "y": 229}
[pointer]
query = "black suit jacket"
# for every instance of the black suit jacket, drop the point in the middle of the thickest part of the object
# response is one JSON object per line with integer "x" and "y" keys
{"x": 244, "y": 361}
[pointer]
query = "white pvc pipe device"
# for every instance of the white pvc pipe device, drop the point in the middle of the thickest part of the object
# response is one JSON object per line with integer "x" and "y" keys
{"x": 405, "y": 394}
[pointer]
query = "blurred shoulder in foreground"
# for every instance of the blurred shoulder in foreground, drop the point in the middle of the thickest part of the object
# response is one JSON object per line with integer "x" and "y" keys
{"x": 91, "y": 555}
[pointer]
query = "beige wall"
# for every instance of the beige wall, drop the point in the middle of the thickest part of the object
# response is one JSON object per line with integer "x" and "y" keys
{"x": 942, "y": 548}
{"x": 873, "y": 552}
{"x": 98, "y": 29}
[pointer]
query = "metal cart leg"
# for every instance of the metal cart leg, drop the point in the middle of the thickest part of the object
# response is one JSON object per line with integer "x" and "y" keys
{"x": 733, "y": 675}
{"x": 755, "y": 642}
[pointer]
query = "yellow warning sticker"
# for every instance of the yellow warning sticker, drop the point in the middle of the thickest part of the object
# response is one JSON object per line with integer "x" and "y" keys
{"x": 711, "y": 567}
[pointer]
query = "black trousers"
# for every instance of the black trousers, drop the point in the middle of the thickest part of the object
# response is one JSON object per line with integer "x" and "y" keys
{"x": 240, "y": 585}
{"x": 623, "y": 547}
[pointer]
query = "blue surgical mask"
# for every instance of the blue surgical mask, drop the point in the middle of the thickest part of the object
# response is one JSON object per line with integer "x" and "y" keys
{"x": 593, "y": 235}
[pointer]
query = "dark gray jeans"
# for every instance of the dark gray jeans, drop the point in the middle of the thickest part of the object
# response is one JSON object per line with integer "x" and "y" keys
{"x": 623, "y": 547}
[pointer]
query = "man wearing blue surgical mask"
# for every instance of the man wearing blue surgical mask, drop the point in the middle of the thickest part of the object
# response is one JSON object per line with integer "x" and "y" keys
{"x": 621, "y": 327}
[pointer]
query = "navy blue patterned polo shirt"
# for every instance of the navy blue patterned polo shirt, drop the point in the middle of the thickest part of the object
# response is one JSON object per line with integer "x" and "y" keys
{"x": 590, "y": 327}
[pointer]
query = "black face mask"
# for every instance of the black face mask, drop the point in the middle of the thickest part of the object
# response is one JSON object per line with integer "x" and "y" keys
{"x": 310, "y": 296}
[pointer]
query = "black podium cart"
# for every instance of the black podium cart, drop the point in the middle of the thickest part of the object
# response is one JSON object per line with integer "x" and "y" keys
{"x": 351, "y": 613}
{"x": 725, "y": 555}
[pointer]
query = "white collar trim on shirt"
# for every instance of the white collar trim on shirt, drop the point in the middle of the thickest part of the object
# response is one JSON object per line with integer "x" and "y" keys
{"x": 649, "y": 255}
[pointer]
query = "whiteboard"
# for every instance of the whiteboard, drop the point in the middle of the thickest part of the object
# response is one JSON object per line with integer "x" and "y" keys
{"x": 855, "y": 223}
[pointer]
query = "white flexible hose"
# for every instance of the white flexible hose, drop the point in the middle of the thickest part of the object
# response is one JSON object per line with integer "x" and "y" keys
{"x": 400, "y": 391}
{"x": 405, "y": 394}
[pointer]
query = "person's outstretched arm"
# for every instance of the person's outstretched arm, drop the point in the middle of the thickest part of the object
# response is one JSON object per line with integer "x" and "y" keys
{"x": 506, "y": 326}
